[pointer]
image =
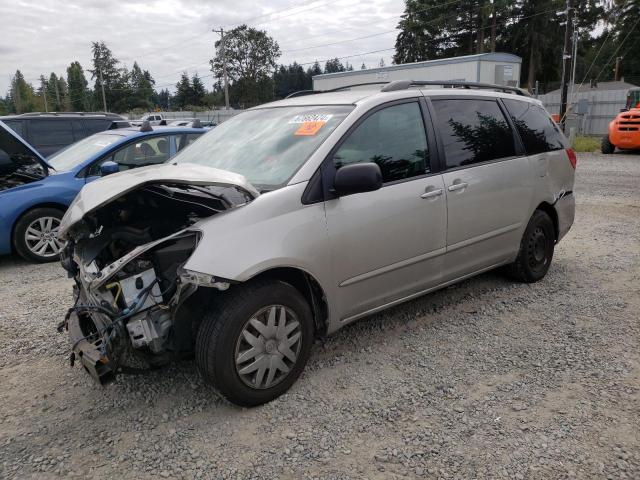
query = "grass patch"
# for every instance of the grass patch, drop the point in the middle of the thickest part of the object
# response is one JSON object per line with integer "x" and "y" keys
{"x": 586, "y": 144}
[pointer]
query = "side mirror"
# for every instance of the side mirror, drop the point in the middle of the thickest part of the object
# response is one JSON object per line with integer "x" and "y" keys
{"x": 109, "y": 167}
{"x": 357, "y": 178}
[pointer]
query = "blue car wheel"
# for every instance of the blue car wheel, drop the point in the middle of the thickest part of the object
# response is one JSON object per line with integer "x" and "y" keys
{"x": 35, "y": 237}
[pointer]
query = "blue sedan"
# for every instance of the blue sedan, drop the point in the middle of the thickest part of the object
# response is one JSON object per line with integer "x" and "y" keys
{"x": 34, "y": 192}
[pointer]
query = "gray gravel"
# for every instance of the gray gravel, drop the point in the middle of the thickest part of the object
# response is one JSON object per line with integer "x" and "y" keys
{"x": 483, "y": 379}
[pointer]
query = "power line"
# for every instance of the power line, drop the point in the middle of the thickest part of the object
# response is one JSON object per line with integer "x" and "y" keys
{"x": 617, "y": 49}
{"x": 249, "y": 20}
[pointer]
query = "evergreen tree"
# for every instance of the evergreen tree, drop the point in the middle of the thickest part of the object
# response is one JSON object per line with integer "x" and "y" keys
{"x": 164, "y": 99}
{"x": 316, "y": 69}
{"x": 363, "y": 66}
{"x": 333, "y": 65}
{"x": 184, "y": 91}
{"x": 105, "y": 64}
{"x": 291, "y": 78}
{"x": 22, "y": 95}
{"x": 78, "y": 92}
{"x": 198, "y": 91}
{"x": 53, "y": 94}
{"x": 141, "y": 84}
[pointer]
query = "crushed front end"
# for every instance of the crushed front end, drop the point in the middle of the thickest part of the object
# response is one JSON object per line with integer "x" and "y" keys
{"x": 135, "y": 306}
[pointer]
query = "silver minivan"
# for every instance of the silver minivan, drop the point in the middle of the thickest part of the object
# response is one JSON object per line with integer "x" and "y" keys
{"x": 295, "y": 218}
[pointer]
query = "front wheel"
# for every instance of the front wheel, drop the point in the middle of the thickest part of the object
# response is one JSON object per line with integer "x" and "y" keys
{"x": 35, "y": 236}
{"x": 536, "y": 249}
{"x": 254, "y": 343}
{"x": 606, "y": 146}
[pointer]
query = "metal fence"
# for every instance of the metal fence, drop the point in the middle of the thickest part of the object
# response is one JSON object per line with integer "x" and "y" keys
{"x": 217, "y": 116}
{"x": 602, "y": 106}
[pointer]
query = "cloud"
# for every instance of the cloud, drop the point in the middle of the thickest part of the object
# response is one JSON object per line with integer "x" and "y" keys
{"x": 168, "y": 36}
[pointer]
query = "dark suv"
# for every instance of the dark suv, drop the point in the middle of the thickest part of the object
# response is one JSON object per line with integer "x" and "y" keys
{"x": 50, "y": 132}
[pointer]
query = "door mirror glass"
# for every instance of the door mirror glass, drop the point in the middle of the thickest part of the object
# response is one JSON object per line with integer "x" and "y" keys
{"x": 357, "y": 178}
{"x": 109, "y": 167}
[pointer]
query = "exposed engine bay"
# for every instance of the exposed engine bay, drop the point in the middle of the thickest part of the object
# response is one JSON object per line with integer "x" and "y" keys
{"x": 135, "y": 304}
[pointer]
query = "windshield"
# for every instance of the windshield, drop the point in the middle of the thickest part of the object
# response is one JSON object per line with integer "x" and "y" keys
{"x": 633, "y": 99}
{"x": 267, "y": 145}
{"x": 78, "y": 152}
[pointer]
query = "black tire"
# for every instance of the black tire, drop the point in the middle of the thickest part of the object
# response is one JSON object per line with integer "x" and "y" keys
{"x": 19, "y": 234}
{"x": 218, "y": 339}
{"x": 606, "y": 146}
{"x": 536, "y": 249}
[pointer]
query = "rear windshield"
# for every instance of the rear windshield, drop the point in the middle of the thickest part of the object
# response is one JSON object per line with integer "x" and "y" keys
{"x": 267, "y": 145}
{"x": 78, "y": 152}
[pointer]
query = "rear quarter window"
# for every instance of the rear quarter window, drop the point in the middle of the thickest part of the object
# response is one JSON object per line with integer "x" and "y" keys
{"x": 538, "y": 131}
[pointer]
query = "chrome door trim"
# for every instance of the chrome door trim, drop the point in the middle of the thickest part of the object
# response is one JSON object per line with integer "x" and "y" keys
{"x": 392, "y": 267}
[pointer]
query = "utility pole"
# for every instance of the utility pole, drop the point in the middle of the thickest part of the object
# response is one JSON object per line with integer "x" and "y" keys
{"x": 574, "y": 61}
{"x": 57, "y": 95}
{"x": 566, "y": 65}
{"x": 104, "y": 98}
{"x": 616, "y": 76}
{"x": 44, "y": 93}
{"x": 224, "y": 67}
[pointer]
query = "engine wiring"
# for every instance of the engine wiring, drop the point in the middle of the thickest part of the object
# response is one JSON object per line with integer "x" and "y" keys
{"x": 137, "y": 303}
{"x": 118, "y": 293}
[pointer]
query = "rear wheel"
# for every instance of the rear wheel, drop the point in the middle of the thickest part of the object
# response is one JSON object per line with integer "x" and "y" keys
{"x": 35, "y": 236}
{"x": 606, "y": 146}
{"x": 255, "y": 342}
{"x": 536, "y": 249}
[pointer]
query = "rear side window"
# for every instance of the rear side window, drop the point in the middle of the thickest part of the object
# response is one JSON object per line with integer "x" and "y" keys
{"x": 50, "y": 132}
{"x": 185, "y": 140}
{"x": 95, "y": 126}
{"x": 539, "y": 133}
{"x": 394, "y": 138}
{"x": 473, "y": 131}
{"x": 16, "y": 126}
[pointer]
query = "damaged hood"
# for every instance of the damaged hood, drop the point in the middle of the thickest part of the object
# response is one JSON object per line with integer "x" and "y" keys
{"x": 100, "y": 192}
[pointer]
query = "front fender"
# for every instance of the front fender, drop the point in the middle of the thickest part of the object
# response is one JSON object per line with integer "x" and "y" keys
{"x": 275, "y": 230}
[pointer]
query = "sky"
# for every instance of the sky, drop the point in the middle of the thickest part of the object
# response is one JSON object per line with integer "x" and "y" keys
{"x": 167, "y": 37}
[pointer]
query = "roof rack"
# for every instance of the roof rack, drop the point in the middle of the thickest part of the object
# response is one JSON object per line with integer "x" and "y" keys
{"x": 79, "y": 114}
{"x": 301, "y": 93}
{"x": 405, "y": 84}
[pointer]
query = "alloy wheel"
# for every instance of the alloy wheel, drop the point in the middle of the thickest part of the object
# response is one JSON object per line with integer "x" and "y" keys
{"x": 41, "y": 237}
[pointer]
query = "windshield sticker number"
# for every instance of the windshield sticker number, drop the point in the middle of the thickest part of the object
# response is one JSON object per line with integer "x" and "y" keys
{"x": 308, "y": 129}
{"x": 311, "y": 117}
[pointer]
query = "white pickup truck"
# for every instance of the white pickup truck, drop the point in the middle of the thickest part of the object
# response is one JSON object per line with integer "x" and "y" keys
{"x": 154, "y": 119}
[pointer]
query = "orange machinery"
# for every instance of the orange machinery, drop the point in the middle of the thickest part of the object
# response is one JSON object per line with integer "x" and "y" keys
{"x": 624, "y": 130}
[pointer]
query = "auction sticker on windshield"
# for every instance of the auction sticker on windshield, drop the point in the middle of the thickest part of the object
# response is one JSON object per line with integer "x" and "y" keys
{"x": 311, "y": 117}
{"x": 309, "y": 128}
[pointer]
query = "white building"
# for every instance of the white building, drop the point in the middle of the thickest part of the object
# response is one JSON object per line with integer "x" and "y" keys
{"x": 496, "y": 68}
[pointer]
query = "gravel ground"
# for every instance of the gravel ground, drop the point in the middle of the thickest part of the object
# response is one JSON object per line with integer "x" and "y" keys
{"x": 483, "y": 379}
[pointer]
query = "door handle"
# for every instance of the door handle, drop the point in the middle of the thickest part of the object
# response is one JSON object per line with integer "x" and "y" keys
{"x": 458, "y": 186}
{"x": 432, "y": 193}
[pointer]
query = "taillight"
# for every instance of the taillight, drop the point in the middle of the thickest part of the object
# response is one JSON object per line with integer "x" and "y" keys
{"x": 572, "y": 157}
